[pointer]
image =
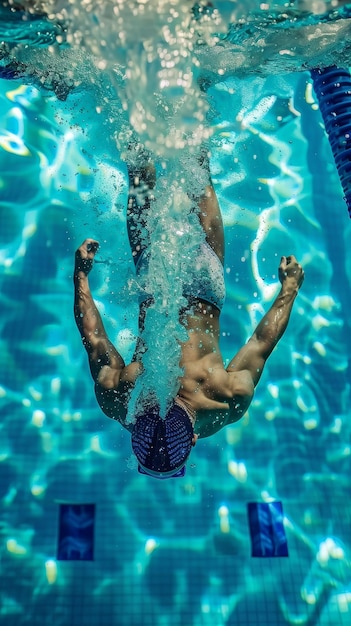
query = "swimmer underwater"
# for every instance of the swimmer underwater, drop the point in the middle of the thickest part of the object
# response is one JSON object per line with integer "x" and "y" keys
{"x": 209, "y": 396}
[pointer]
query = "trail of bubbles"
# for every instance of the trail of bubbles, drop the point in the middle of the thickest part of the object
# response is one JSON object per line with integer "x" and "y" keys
{"x": 160, "y": 55}
{"x": 175, "y": 233}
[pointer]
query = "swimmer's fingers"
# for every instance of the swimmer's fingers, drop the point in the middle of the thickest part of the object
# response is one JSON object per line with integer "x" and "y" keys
{"x": 88, "y": 249}
{"x": 282, "y": 268}
{"x": 85, "y": 255}
{"x": 290, "y": 268}
{"x": 92, "y": 247}
{"x": 288, "y": 260}
{"x": 89, "y": 246}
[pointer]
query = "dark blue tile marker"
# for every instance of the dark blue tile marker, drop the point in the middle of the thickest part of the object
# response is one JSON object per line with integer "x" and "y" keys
{"x": 267, "y": 529}
{"x": 76, "y": 532}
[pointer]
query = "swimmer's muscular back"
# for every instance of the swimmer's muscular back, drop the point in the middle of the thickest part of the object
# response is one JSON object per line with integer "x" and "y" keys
{"x": 205, "y": 385}
{"x": 218, "y": 396}
{"x": 222, "y": 396}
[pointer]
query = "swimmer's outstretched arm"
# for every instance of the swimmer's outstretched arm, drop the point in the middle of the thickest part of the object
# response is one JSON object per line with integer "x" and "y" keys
{"x": 252, "y": 357}
{"x": 106, "y": 364}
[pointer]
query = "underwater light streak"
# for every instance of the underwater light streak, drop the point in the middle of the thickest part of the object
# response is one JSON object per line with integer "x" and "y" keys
{"x": 51, "y": 571}
{"x": 12, "y": 139}
{"x": 63, "y": 145}
{"x": 238, "y": 470}
{"x": 224, "y": 523}
{"x": 246, "y": 117}
{"x": 267, "y": 218}
{"x": 15, "y": 548}
{"x": 150, "y": 546}
{"x": 38, "y": 418}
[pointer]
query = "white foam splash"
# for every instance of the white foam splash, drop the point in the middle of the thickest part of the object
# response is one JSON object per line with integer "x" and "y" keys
{"x": 159, "y": 54}
{"x": 175, "y": 232}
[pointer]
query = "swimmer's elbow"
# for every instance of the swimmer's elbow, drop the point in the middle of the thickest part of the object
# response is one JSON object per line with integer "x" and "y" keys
{"x": 108, "y": 378}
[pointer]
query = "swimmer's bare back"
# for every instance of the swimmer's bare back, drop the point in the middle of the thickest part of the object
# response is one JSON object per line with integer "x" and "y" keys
{"x": 217, "y": 396}
{"x": 221, "y": 396}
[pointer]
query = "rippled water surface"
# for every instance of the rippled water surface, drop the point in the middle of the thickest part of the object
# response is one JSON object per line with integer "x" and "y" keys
{"x": 76, "y": 89}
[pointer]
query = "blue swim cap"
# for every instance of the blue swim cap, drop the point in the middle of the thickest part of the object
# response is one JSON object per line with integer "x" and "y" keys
{"x": 162, "y": 446}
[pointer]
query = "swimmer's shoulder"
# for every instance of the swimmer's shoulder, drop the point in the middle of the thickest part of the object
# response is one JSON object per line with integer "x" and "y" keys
{"x": 210, "y": 421}
{"x": 231, "y": 407}
{"x": 114, "y": 401}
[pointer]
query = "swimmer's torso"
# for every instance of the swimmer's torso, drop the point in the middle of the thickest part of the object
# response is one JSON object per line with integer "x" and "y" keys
{"x": 218, "y": 397}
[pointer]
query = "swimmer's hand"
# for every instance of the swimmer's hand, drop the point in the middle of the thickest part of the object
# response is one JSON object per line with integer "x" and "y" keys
{"x": 290, "y": 272}
{"x": 84, "y": 257}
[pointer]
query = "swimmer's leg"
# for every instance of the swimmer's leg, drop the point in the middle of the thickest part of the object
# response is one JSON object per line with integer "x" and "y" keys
{"x": 141, "y": 182}
{"x": 209, "y": 212}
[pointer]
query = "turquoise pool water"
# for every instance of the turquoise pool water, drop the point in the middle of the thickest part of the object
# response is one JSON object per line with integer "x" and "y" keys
{"x": 177, "y": 552}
